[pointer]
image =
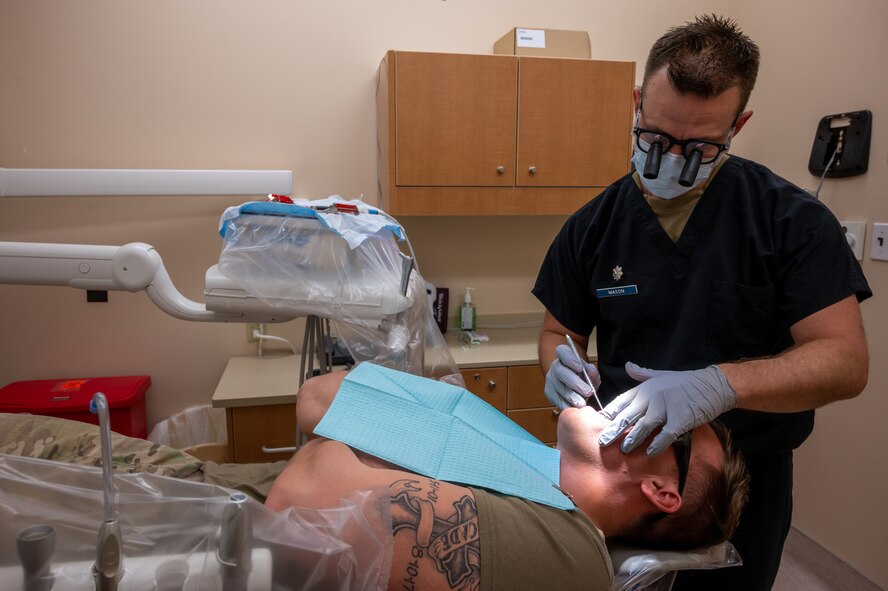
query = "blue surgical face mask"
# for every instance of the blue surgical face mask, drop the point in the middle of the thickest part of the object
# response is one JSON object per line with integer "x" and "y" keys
{"x": 666, "y": 184}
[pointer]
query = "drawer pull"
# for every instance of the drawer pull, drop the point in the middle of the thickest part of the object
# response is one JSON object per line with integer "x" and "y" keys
{"x": 532, "y": 170}
{"x": 278, "y": 450}
{"x": 500, "y": 169}
{"x": 555, "y": 412}
{"x": 491, "y": 384}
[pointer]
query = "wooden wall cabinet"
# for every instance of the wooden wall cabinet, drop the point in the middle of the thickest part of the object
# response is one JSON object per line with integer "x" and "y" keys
{"x": 498, "y": 134}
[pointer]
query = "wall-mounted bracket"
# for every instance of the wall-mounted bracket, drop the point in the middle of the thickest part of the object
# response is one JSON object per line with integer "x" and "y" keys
{"x": 848, "y": 136}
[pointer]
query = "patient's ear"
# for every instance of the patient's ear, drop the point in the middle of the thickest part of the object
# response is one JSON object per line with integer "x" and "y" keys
{"x": 662, "y": 494}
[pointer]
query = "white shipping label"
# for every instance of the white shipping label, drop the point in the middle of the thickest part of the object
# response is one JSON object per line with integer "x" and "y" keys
{"x": 530, "y": 38}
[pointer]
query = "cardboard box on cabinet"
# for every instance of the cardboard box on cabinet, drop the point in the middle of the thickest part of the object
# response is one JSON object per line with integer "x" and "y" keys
{"x": 544, "y": 42}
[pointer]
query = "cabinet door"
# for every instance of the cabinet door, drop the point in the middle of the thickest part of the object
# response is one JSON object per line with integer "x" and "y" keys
{"x": 256, "y": 429}
{"x": 526, "y": 385}
{"x": 542, "y": 423}
{"x": 489, "y": 384}
{"x": 574, "y": 122}
{"x": 455, "y": 119}
{"x": 528, "y": 405}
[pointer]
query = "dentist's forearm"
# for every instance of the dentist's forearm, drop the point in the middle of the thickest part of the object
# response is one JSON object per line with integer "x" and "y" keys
{"x": 552, "y": 335}
{"x": 829, "y": 363}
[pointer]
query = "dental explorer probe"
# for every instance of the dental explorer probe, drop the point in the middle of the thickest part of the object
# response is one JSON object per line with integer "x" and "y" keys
{"x": 109, "y": 548}
{"x": 585, "y": 373}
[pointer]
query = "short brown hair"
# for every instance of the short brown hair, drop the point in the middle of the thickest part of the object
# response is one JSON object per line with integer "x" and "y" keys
{"x": 711, "y": 505}
{"x": 706, "y": 57}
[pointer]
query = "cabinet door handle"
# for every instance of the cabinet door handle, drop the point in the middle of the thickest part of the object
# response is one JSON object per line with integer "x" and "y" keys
{"x": 278, "y": 450}
{"x": 500, "y": 169}
{"x": 532, "y": 170}
{"x": 491, "y": 384}
{"x": 555, "y": 412}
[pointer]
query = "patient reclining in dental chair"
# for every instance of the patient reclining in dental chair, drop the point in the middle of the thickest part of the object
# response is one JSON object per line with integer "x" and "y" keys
{"x": 149, "y": 473}
{"x": 451, "y": 535}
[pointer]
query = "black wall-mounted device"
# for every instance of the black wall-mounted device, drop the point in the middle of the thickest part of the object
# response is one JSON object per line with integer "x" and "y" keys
{"x": 848, "y": 136}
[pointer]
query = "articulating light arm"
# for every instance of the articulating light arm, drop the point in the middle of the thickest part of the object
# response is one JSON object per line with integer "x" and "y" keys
{"x": 132, "y": 267}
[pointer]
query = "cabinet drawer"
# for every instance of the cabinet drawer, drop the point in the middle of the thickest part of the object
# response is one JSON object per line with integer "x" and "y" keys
{"x": 256, "y": 427}
{"x": 542, "y": 423}
{"x": 489, "y": 384}
{"x": 526, "y": 385}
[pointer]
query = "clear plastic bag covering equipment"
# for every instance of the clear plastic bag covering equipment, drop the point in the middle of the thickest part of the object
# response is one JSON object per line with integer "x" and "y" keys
{"x": 291, "y": 255}
{"x": 637, "y": 569}
{"x": 196, "y": 425}
{"x": 307, "y": 258}
{"x": 174, "y": 534}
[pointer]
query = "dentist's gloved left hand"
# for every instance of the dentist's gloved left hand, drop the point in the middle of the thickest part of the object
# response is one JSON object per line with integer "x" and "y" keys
{"x": 564, "y": 386}
{"x": 678, "y": 400}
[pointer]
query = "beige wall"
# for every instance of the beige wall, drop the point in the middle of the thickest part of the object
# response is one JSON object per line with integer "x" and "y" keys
{"x": 819, "y": 61}
{"x": 283, "y": 84}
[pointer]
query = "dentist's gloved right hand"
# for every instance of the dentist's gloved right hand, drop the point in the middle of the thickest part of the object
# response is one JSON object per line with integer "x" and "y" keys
{"x": 679, "y": 401}
{"x": 565, "y": 385}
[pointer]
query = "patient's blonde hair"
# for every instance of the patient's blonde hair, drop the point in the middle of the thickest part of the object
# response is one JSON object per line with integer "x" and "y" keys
{"x": 712, "y": 502}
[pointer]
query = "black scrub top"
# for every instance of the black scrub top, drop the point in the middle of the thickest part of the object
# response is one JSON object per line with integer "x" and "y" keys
{"x": 757, "y": 255}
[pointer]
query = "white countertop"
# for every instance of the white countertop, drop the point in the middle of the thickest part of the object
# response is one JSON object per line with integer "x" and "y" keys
{"x": 507, "y": 346}
{"x": 255, "y": 381}
{"x": 259, "y": 381}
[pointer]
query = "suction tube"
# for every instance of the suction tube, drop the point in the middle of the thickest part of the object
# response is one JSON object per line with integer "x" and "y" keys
{"x": 652, "y": 163}
{"x": 690, "y": 169}
{"x": 109, "y": 548}
{"x": 99, "y": 405}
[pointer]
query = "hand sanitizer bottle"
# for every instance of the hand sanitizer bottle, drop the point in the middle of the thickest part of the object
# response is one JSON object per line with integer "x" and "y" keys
{"x": 467, "y": 312}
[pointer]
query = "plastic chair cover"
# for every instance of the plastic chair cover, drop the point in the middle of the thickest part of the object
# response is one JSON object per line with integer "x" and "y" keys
{"x": 174, "y": 535}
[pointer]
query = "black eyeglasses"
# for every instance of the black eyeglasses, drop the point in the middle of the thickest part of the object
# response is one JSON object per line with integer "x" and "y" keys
{"x": 682, "y": 447}
{"x": 708, "y": 150}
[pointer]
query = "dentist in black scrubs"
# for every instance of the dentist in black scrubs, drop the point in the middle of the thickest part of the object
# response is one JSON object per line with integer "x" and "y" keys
{"x": 716, "y": 288}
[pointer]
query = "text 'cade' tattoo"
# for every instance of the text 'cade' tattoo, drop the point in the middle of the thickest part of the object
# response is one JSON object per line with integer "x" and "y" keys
{"x": 451, "y": 542}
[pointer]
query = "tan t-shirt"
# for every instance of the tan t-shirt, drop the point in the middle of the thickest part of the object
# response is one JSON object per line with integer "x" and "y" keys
{"x": 673, "y": 214}
{"x": 525, "y": 545}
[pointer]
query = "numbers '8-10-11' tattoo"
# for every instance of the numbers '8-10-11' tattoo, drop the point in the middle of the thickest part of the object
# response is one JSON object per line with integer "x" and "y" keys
{"x": 451, "y": 542}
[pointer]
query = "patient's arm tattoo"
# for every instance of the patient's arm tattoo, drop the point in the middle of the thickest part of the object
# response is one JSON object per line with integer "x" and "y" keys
{"x": 448, "y": 537}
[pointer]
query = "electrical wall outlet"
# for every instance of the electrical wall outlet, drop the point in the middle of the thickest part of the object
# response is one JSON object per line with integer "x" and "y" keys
{"x": 879, "y": 247}
{"x": 255, "y": 326}
{"x": 855, "y": 234}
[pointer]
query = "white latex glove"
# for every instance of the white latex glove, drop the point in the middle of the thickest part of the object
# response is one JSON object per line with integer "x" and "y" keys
{"x": 678, "y": 400}
{"x": 565, "y": 385}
